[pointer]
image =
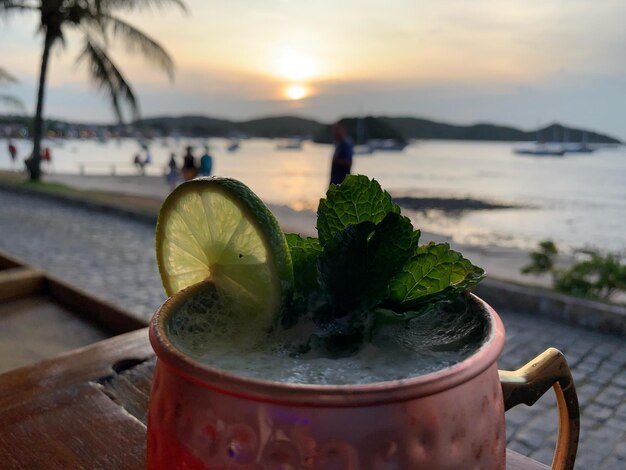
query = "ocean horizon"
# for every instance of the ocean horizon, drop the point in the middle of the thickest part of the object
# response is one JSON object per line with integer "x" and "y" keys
{"x": 579, "y": 200}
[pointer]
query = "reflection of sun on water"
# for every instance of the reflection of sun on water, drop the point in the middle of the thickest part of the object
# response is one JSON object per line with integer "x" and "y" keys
{"x": 296, "y": 92}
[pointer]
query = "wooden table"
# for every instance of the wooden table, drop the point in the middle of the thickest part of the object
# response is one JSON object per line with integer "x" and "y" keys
{"x": 87, "y": 409}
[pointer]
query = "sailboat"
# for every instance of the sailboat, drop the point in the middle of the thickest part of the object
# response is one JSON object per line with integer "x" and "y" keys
{"x": 290, "y": 144}
{"x": 578, "y": 147}
{"x": 541, "y": 148}
{"x": 360, "y": 147}
{"x": 369, "y": 146}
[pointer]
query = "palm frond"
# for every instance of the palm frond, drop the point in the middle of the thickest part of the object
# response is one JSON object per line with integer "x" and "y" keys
{"x": 6, "y": 77}
{"x": 107, "y": 77}
{"x": 136, "y": 41}
{"x": 12, "y": 101}
{"x": 130, "y": 5}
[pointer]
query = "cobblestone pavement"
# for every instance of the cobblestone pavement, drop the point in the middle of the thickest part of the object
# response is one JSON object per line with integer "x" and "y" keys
{"x": 113, "y": 257}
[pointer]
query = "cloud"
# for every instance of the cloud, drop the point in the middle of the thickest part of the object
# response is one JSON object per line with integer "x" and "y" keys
{"x": 455, "y": 60}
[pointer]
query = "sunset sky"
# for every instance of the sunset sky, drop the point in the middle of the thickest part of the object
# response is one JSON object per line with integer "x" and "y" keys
{"x": 514, "y": 62}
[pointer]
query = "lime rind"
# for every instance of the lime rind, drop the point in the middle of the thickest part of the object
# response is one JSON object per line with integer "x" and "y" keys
{"x": 217, "y": 229}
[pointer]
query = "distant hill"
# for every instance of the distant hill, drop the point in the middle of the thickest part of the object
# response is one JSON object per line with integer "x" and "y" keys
{"x": 362, "y": 129}
{"x": 279, "y": 126}
{"x": 187, "y": 125}
{"x": 559, "y": 133}
{"x": 415, "y": 128}
{"x": 382, "y": 127}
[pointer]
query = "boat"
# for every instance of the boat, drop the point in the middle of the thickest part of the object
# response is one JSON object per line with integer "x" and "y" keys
{"x": 386, "y": 145}
{"x": 290, "y": 144}
{"x": 102, "y": 136}
{"x": 362, "y": 150}
{"x": 541, "y": 149}
{"x": 233, "y": 145}
{"x": 577, "y": 147}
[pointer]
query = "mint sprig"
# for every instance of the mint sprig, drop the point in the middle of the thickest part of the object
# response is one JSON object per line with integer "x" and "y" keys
{"x": 304, "y": 255}
{"x": 366, "y": 268}
{"x": 358, "y": 199}
{"x": 434, "y": 273}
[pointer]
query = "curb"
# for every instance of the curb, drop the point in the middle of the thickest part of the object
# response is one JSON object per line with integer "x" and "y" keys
{"x": 499, "y": 294}
{"x": 546, "y": 303}
{"x": 143, "y": 216}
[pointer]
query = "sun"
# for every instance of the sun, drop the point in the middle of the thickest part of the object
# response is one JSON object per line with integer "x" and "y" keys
{"x": 296, "y": 92}
{"x": 293, "y": 65}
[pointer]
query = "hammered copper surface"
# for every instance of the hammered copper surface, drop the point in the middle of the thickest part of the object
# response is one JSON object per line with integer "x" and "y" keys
{"x": 200, "y": 417}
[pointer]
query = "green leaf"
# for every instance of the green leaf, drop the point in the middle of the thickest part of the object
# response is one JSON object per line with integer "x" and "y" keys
{"x": 343, "y": 266}
{"x": 435, "y": 273}
{"x": 358, "y": 199}
{"x": 304, "y": 255}
{"x": 358, "y": 263}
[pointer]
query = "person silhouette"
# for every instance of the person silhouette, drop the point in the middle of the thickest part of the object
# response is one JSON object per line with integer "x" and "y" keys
{"x": 172, "y": 174}
{"x": 12, "y": 152}
{"x": 189, "y": 165}
{"x": 206, "y": 162}
{"x": 342, "y": 155}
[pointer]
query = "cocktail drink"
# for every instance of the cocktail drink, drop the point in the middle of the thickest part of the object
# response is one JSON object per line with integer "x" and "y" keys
{"x": 359, "y": 349}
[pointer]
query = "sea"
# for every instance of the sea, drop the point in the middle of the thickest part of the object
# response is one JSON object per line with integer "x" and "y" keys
{"x": 578, "y": 201}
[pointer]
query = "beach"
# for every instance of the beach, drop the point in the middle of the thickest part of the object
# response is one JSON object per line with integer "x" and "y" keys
{"x": 475, "y": 193}
{"x": 499, "y": 262}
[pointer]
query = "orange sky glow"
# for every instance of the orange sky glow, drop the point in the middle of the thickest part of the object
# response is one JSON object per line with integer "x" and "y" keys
{"x": 242, "y": 58}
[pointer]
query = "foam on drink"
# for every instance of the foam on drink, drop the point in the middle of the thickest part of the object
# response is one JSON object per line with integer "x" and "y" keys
{"x": 204, "y": 328}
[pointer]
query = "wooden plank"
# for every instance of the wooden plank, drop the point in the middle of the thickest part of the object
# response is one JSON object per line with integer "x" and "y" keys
{"x": 19, "y": 282}
{"x": 92, "y": 308}
{"x": 7, "y": 262}
{"x": 131, "y": 389}
{"x": 35, "y": 328}
{"x": 17, "y": 279}
{"x": 89, "y": 363}
{"x": 75, "y": 427}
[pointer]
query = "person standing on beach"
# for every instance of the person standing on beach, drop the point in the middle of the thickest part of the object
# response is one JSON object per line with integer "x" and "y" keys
{"x": 12, "y": 152}
{"x": 342, "y": 156}
{"x": 138, "y": 162}
{"x": 189, "y": 165}
{"x": 206, "y": 162}
{"x": 172, "y": 173}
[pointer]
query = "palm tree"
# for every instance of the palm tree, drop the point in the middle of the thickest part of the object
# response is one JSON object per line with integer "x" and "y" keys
{"x": 10, "y": 100}
{"x": 98, "y": 24}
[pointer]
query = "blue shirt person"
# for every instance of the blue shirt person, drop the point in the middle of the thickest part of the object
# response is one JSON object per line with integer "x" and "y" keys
{"x": 206, "y": 162}
{"x": 342, "y": 157}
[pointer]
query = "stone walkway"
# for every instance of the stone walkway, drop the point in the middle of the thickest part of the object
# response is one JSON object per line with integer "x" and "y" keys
{"x": 113, "y": 257}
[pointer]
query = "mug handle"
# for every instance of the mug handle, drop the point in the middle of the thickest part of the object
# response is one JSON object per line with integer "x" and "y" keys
{"x": 528, "y": 383}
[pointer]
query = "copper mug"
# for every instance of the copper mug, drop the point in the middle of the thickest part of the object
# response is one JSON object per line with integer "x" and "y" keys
{"x": 201, "y": 417}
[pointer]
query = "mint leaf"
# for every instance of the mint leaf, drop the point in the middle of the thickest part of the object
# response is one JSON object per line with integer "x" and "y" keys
{"x": 392, "y": 243}
{"x": 358, "y": 199}
{"x": 358, "y": 263}
{"x": 434, "y": 273}
{"x": 304, "y": 255}
{"x": 343, "y": 268}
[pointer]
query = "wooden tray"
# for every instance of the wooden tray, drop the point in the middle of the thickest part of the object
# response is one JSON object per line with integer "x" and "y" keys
{"x": 42, "y": 316}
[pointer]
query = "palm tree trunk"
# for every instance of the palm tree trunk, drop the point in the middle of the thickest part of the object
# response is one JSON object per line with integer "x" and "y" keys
{"x": 34, "y": 163}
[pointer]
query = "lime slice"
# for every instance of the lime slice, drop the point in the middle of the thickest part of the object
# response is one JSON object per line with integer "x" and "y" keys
{"x": 217, "y": 229}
